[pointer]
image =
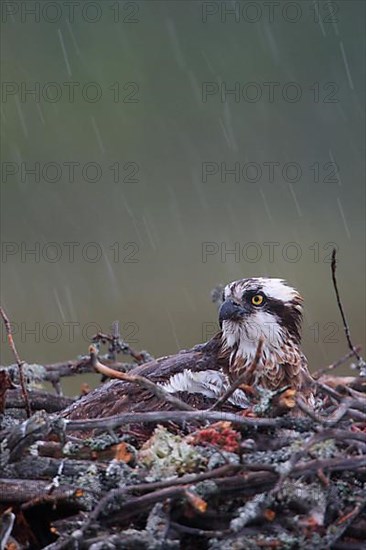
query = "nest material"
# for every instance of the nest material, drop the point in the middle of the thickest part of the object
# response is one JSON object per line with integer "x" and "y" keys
{"x": 231, "y": 481}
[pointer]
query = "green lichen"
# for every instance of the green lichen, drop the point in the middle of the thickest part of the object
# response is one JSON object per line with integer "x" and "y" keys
{"x": 168, "y": 455}
{"x": 324, "y": 449}
{"x": 90, "y": 482}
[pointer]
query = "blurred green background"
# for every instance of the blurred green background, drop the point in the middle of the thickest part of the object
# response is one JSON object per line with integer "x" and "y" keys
{"x": 150, "y": 64}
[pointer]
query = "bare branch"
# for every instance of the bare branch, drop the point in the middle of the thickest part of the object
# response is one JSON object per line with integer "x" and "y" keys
{"x": 179, "y": 417}
{"x": 17, "y": 358}
{"x": 142, "y": 381}
{"x": 336, "y": 364}
{"x": 345, "y": 323}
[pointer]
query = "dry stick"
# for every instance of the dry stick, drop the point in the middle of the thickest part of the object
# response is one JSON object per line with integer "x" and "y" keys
{"x": 309, "y": 411}
{"x": 242, "y": 378}
{"x": 352, "y": 407}
{"x": 336, "y": 364}
{"x": 17, "y": 358}
{"x": 7, "y": 522}
{"x": 345, "y": 324}
{"x": 188, "y": 480}
{"x": 133, "y": 505}
{"x": 343, "y": 523}
{"x": 142, "y": 381}
{"x": 111, "y": 422}
{"x": 337, "y": 435}
{"x": 139, "y": 357}
{"x": 38, "y": 400}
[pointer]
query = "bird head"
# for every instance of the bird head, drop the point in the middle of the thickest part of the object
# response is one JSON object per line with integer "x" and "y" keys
{"x": 260, "y": 308}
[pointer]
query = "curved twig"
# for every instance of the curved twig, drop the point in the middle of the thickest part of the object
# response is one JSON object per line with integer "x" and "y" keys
{"x": 142, "y": 381}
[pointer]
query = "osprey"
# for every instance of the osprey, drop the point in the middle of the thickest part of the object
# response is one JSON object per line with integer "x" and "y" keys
{"x": 252, "y": 310}
{"x": 270, "y": 310}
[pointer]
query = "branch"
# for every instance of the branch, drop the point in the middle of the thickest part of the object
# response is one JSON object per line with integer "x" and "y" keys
{"x": 38, "y": 399}
{"x": 23, "y": 435}
{"x": 117, "y": 344}
{"x": 142, "y": 381}
{"x": 17, "y": 358}
{"x": 186, "y": 480}
{"x": 342, "y": 524}
{"x": 17, "y": 491}
{"x": 7, "y": 522}
{"x": 336, "y": 364}
{"x": 353, "y": 408}
{"x": 180, "y": 417}
{"x": 345, "y": 323}
{"x": 129, "y": 506}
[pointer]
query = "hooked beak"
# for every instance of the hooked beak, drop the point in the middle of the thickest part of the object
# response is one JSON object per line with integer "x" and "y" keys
{"x": 230, "y": 311}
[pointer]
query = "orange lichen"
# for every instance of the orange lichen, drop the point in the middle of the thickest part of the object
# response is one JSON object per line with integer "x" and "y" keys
{"x": 269, "y": 514}
{"x": 219, "y": 434}
{"x": 123, "y": 453}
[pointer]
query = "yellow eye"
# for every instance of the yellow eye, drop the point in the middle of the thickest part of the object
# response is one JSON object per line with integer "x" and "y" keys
{"x": 257, "y": 300}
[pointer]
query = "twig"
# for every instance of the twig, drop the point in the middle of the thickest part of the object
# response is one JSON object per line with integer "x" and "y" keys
{"x": 17, "y": 491}
{"x": 309, "y": 411}
{"x": 130, "y": 506}
{"x": 346, "y": 403}
{"x": 23, "y": 435}
{"x": 336, "y": 396}
{"x": 329, "y": 464}
{"x": 117, "y": 345}
{"x": 241, "y": 380}
{"x": 336, "y": 364}
{"x": 38, "y": 399}
{"x": 180, "y": 417}
{"x": 142, "y": 381}
{"x": 186, "y": 480}
{"x": 351, "y": 407}
{"x": 116, "y": 335}
{"x": 341, "y": 383}
{"x": 151, "y": 488}
{"x": 345, "y": 324}
{"x": 343, "y": 523}
{"x": 337, "y": 435}
{"x": 7, "y": 522}
{"x": 199, "y": 532}
{"x": 18, "y": 360}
